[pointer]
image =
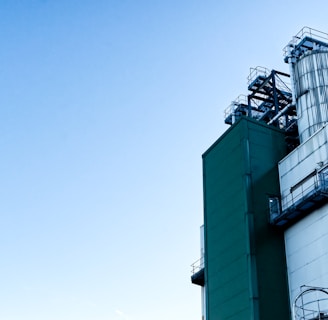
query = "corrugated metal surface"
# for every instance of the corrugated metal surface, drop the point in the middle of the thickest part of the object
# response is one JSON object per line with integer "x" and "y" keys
{"x": 311, "y": 85}
{"x": 307, "y": 252}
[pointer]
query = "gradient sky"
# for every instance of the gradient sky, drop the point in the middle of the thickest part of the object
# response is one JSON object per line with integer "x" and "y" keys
{"x": 105, "y": 110}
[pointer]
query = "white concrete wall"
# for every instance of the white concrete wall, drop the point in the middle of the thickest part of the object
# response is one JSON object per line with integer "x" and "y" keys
{"x": 307, "y": 252}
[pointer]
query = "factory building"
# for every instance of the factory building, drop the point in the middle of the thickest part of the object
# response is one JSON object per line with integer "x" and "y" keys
{"x": 264, "y": 242}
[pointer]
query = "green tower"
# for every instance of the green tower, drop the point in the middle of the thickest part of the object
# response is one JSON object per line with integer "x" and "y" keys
{"x": 245, "y": 269}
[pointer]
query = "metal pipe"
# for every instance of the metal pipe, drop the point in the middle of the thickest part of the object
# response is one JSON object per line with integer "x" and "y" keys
{"x": 291, "y": 61}
{"x": 280, "y": 113}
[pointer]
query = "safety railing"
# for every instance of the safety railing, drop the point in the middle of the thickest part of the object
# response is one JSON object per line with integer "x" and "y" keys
{"x": 256, "y": 72}
{"x": 318, "y": 183}
{"x": 306, "y": 32}
{"x": 240, "y": 100}
{"x": 197, "y": 266}
{"x": 311, "y": 304}
{"x": 304, "y": 195}
{"x": 310, "y": 32}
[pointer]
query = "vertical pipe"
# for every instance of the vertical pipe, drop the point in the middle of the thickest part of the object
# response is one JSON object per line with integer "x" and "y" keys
{"x": 291, "y": 61}
{"x": 275, "y": 97}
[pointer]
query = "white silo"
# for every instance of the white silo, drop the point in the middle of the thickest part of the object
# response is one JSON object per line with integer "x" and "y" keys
{"x": 304, "y": 172}
{"x": 308, "y": 59}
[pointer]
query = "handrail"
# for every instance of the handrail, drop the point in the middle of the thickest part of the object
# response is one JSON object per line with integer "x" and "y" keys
{"x": 311, "y": 308}
{"x": 241, "y": 99}
{"x": 314, "y": 187}
{"x": 307, "y": 31}
{"x": 255, "y": 72}
{"x": 304, "y": 32}
{"x": 197, "y": 266}
{"x": 320, "y": 183}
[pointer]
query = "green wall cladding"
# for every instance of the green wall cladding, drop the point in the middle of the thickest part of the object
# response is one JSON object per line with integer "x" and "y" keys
{"x": 245, "y": 269}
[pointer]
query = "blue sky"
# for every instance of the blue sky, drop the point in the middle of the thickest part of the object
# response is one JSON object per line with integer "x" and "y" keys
{"x": 105, "y": 110}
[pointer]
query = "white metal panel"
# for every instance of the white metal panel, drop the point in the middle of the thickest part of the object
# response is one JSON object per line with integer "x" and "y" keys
{"x": 307, "y": 252}
{"x": 300, "y": 163}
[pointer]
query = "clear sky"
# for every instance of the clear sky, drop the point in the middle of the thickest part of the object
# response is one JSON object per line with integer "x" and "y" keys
{"x": 105, "y": 110}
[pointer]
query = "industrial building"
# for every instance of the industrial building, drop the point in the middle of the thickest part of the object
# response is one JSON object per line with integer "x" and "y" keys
{"x": 264, "y": 242}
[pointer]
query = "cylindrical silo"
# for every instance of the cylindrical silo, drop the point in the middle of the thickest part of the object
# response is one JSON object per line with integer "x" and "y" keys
{"x": 310, "y": 73}
{"x": 303, "y": 176}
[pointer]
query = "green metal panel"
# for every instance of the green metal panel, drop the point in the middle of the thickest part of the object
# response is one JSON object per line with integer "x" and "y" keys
{"x": 245, "y": 273}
